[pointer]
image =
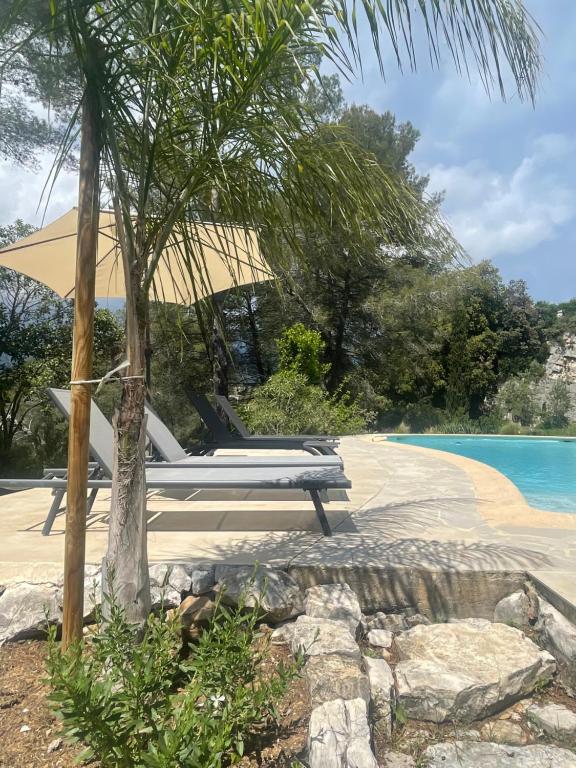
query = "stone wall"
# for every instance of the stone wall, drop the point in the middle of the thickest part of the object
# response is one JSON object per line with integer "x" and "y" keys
{"x": 439, "y": 595}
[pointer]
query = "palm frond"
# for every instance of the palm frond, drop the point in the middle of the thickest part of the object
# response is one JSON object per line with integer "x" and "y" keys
{"x": 204, "y": 95}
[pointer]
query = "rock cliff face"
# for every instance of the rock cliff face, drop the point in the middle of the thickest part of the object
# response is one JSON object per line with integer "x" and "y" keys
{"x": 561, "y": 363}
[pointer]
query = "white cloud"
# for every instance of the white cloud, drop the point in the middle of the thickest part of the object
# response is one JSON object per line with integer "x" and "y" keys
{"x": 494, "y": 213}
{"x": 21, "y": 193}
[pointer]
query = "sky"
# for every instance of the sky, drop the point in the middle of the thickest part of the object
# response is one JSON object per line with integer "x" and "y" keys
{"x": 508, "y": 170}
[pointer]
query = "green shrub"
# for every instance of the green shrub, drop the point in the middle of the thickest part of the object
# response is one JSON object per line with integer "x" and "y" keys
{"x": 490, "y": 424}
{"x": 142, "y": 705}
{"x": 422, "y": 416}
{"x": 557, "y": 405}
{"x": 401, "y": 429}
{"x": 288, "y": 404}
{"x": 390, "y": 420}
{"x": 463, "y": 426}
{"x": 516, "y": 398}
{"x": 363, "y": 392}
{"x": 510, "y": 428}
{"x": 568, "y": 431}
{"x": 300, "y": 350}
{"x": 21, "y": 460}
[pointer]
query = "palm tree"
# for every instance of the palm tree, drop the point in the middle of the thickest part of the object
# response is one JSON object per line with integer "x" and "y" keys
{"x": 197, "y": 108}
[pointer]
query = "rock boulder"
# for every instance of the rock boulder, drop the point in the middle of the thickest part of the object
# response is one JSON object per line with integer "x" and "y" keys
{"x": 398, "y": 760}
{"x": 283, "y": 634}
{"x": 273, "y": 591}
{"x": 415, "y": 619}
{"x": 168, "y": 584}
{"x": 322, "y": 637}
{"x": 26, "y": 609}
{"x": 516, "y": 610}
{"x": 471, "y": 754}
{"x": 339, "y": 736}
{"x": 381, "y": 638}
{"x": 558, "y": 635}
{"x": 92, "y": 591}
{"x": 202, "y": 580}
{"x": 553, "y": 720}
{"x": 504, "y": 732}
{"x": 335, "y": 677}
{"x": 393, "y": 622}
{"x": 467, "y": 670}
{"x": 334, "y": 601}
{"x": 195, "y": 611}
{"x": 382, "y": 691}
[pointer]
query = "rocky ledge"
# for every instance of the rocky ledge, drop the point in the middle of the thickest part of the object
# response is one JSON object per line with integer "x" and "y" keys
{"x": 389, "y": 689}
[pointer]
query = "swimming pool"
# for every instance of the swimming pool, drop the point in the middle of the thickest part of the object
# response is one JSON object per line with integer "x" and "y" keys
{"x": 544, "y": 469}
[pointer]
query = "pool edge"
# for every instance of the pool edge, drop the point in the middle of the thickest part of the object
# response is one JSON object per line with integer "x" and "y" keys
{"x": 500, "y": 502}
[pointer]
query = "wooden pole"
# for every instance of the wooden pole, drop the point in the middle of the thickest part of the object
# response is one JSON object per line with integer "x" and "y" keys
{"x": 79, "y": 425}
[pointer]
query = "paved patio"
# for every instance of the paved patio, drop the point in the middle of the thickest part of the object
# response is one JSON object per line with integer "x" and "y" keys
{"x": 408, "y": 507}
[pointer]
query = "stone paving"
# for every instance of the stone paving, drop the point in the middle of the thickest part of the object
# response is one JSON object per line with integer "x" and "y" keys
{"x": 409, "y": 508}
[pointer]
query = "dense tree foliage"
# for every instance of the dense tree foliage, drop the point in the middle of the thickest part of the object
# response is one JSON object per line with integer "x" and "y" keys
{"x": 558, "y": 404}
{"x": 35, "y": 70}
{"x": 403, "y": 331}
{"x": 35, "y": 351}
{"x": 406, "y": 328}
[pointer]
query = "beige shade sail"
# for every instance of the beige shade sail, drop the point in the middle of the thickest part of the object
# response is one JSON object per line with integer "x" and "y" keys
{"x": 222, "y": 257}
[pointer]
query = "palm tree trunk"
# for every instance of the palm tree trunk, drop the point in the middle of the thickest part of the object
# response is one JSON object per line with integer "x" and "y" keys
{"x": 126, "y": 561}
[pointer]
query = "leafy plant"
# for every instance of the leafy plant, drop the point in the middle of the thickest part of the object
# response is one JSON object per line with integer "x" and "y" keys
{"x": 490, "y": 423}
{"x": 288, "y": 404}
{"x": 141, "y": 704}
{"x": 557, "y": 405}
{"x": 516, "y": 398}
{"x": 422, "y": 416}
{"x": 463, "y": 426}
{"x": 510, "y": 428}
{"x": 568, "y": 431}
{"x": 300, "y": 351}
{"x": 399, "y": 714}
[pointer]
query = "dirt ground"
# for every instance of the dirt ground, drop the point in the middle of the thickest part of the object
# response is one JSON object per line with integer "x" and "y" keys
{"x": 28, "y": 729}
{"x": 279, "y": 747}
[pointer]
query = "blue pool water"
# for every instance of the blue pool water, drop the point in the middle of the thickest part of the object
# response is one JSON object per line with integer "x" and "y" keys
{"x": 544, "y": 469}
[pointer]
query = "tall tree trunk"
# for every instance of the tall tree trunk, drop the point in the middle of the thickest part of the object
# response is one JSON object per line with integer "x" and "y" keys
{"x": 337, "y": 362}
{"x": 148, "y": 351}
{"x": 6, "y": 434}
{"x": 221, "y": 363}
{"x": 126, "y": 562}
{"x": 255, "y": 339}
{"x": 219, "y": 354}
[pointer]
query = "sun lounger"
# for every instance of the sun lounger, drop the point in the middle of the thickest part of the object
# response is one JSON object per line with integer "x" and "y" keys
{"x": 313, "y": 480}
{"x": 224, "y": 438}
{"x": 171, "y": 451}
{"x": 313, "y": 474}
